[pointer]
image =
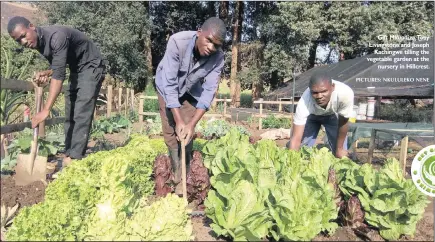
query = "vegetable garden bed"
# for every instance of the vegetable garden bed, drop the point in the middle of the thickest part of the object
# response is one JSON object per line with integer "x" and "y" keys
{"x": 256, "y": 193}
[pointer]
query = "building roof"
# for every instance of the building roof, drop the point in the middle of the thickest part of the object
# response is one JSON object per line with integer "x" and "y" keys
{"x": 368, "y": 78}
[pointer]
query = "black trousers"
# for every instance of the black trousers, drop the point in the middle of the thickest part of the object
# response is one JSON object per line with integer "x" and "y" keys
{"x": 80, "y": 101}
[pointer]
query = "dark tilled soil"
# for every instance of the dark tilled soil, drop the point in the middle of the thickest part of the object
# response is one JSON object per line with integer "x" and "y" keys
{"x": 24, "y": 195}
{"x": 202, "y": 230}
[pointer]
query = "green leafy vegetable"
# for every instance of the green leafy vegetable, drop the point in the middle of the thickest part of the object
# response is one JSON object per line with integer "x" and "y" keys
{"x": 93, "y": 196}
{"x": 391, "y": 203}
{"x": 261, "y": 190}
{"x": 218, "y": 128}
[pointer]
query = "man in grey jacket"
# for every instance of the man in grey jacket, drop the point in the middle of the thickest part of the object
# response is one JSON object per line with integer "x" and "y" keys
{"x": 186, "y": 80}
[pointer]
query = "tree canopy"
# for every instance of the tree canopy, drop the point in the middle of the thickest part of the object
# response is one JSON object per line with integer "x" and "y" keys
{"x": 277, "y": 38}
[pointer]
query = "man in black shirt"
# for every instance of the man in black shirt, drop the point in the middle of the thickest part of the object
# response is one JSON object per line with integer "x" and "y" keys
{"x": 63, "y": 46}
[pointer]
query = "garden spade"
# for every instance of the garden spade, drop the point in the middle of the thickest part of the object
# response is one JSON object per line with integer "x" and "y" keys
{"x": 32, "y": 167}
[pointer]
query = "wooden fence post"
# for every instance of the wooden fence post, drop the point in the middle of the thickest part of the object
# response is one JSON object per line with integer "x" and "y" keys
{"x": 140, "y": 110}
{"x": 260, "y": 121}
{"x": 280, "y": 106}
{"x": 403, "y": 153}
{"x": 119, "y": 99}
{"x": 132, "y": 99}
{"x": 225, "y": 108}
{"x": 126, "y": 100}
{"x": 109, "y": 101}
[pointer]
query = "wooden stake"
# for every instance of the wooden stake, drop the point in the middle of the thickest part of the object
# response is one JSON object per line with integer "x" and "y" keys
{"x": 109, "y": 101}
{"x": 126, "y": 101}
{"x": 260, "y": 121}
{"x": 225, "y": 108}
{"x": 119, "y": 100}
{"x": 354, "y": 146}
{"x": 132, "y": 99}
{"x": 403, "y": 153}
{"x": 140, "y": 110}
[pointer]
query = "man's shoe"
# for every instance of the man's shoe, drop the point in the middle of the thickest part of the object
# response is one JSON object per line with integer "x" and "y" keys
{"x": 66, "y": 162}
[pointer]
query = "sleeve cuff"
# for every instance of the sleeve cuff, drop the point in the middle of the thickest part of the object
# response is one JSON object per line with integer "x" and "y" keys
{"x": 300, "y": 122}
{"x": 173, "y": 105}
{"x": 202, "y": 106}
{"x": 58, "y": 75}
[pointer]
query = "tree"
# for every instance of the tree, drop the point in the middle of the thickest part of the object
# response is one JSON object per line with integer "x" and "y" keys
{"x": 120, "y": 29}
{"x": 251, "y": 74}
{"x": 254, "y": 73}
{"x": 23, "y": 62}
{"x": 169, "y": 18}
{"x": 291, "y": 32}
{"x": 223, "y": 14}
{"x": 16, "y": 63}
{"x": 295, "y": 30}
{"x": 237, "y": 33}
{"x": 147, "y": 49}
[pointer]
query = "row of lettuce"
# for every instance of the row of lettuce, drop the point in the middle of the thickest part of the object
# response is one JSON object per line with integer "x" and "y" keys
{"x": 105, "y": 197}
{"x": 262, "y": 191}
{"x": 258, "y": 191}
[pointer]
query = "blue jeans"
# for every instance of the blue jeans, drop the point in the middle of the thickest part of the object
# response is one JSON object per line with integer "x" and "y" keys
{"x": 312, "y": 128}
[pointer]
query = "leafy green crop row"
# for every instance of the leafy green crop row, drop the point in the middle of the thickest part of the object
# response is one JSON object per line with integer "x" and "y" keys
{"x": 218, "y": 128}
{"x": 391, "y": 203}
{"x": 109, "y": 125}
{"x": 264, "y": 191}
{"x": 103, "y": 197}
{"x": 283, "y": 195}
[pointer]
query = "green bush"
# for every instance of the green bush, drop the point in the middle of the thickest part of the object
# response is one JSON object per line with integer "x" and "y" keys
{"x": 150, "y": 105}
{"x": 271, "y": 122}
{"x": 403, "y": 111}
{"x": 218, "y": 128}
{"x": 246, "y": 100}
{"x": 24, "y": 61}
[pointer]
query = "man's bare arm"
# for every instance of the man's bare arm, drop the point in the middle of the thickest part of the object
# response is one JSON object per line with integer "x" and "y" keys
{"x": 296, "y": 137}
{"x": 343, "y": 127}
{"x": 198, "y": 115}
{"x": 55, "y": 89}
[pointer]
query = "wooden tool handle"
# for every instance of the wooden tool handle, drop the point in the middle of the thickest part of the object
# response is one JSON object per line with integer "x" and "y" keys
{"x": 38, "y": 100}
{"x": 33, "y": 151}
{"x": 183, "y": 169}
{"x": 34, "y": 144}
